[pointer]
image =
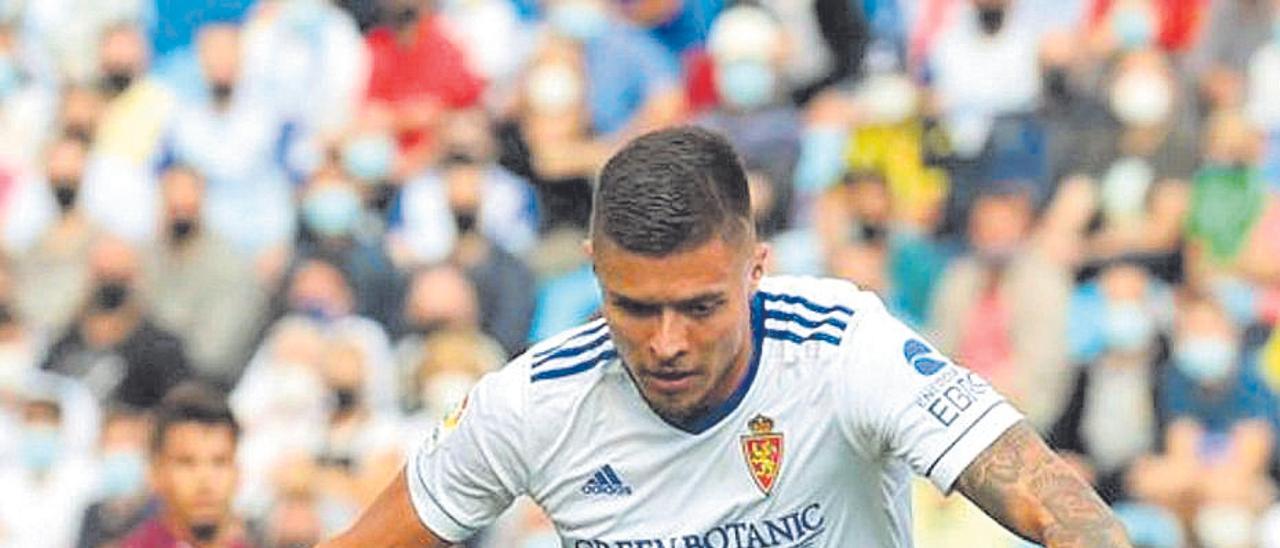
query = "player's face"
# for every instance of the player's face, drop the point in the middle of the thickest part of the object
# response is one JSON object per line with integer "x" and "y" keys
{"x": 682, "y": 323}
{"x": 195, "y": 472}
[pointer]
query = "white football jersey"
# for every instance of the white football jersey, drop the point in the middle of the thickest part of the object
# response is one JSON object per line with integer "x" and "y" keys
{"x": 841, "y": 404}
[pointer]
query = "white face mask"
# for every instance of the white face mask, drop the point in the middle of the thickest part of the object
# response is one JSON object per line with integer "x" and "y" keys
{"x": 888, "y": 98}
{"x": 554, "y": 88}
{"x": 1141, "y": 99}
{"x": 1124, "y": 188}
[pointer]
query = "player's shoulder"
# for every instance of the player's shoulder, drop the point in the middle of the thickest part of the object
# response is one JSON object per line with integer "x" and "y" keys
{"x": 800, "y": 303}
{"x": 569, "y": 362}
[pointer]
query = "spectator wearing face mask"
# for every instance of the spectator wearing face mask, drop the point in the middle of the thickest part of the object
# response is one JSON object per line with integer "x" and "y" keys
{"x": 319, "y": 292}
{"x": 120, "y": 189}
{"x": 53, "y": 273}
{"x": 232, "y": 137}
{"x": 362, "y": 448}
{"x": 1232, "y": 222}
{"x": 418, "y": 72}
{"x": 1114, "y": 412}
{"x": 603, "y": 74}
{"x": 500, "y": 205}
{"x": 1141, "y": 148}
{"x": 122, "y": 499}
{"x": 332, "y": 214}
{"x": 114, "y": 346}
{"x": 308, "y": 58}
{"x": 440, "y": 297}
{"x": 48, "y": 485}
{"x": 747, "y": 48}
{"x": 989, "y": 130}
{"x": 199, "y": 287}
{"x": 1128, "y": 25}
{"x": 1219, "y": 441}
{"x": 194, "y": 471}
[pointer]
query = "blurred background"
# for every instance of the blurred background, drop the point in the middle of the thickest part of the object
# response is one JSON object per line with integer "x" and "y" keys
{"x": 342, "y": 212}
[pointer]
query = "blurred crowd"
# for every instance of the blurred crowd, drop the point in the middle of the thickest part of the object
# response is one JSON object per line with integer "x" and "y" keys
{"x": 340, "y": 213}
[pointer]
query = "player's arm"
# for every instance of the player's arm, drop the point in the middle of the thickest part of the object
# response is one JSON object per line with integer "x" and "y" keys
{"x": 1022, "y": 484}
{"x": 389, "y": 521}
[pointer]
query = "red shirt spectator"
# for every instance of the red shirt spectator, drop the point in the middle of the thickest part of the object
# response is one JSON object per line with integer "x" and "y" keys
{"x": 429, "y": 71}
{"x": 1179, "y": 22}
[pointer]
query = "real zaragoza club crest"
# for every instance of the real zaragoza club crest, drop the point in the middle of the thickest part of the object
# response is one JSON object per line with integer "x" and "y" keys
{"x": 763, "y": 450}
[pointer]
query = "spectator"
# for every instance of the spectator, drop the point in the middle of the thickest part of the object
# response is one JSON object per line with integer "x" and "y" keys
{"x": 332, "y": 210}
{"x": 1220, "y": 436}
{"x": 1142, "y": 150}
{"x": 362, "y": 450}
{"x": 987, "y": 40}
{"x": 863, "y": 238}
{"x": 747, "y": 46}
{"x": 321, "y": 291}
{"x": 122, "y": 500}
{"x": 53, "y": 274}
{"x": 504, "y": 208}
{"x": 440, "y": 297}
{"x": 114, "y": 346}
{"x": 1002, "y": 308}
{"x": 47, "y": 488}
{"x": 629, "y": 85}
{"x": 307, "y": 57}
{"x": 20, "y": 346}
{"x": 193, "y": 466}
{"x": 418, "y": 72}
{"x": 120, "y": 188}
{"x": 232, "y": 136}
{"x": 199, "y": 288}
{"x": 1113, "y": 415}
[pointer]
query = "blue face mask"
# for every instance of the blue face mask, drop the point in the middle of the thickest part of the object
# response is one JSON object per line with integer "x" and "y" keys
{"x": 370, "y": 157}
{"x": 1207, "y": 360}
{"x": 332, "y": 212}
{"x": 40, "y": 448}
{"x": 1133, "y": 28}
{"x": 10, "y": 79}
{"x": 123, "y": 473}
{"x": 581, "y": 21}
{"x": 1128, "y": 327}
{"x": 746, "y": 84}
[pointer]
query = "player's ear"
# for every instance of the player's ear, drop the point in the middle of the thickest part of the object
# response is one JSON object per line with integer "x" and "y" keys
{"x": 759, "y": 261}
{"x": 589, "y": 248}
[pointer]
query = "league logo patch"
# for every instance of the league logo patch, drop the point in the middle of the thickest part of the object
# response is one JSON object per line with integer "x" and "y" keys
{"x": 446, "y": 426}
{"x": 917, "y": 354}
{"x": 763, "y": 451}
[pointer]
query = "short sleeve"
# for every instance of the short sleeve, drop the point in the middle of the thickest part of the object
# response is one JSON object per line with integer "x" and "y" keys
{"x": 471, "y": 467}
{"x": 903, "y": 400}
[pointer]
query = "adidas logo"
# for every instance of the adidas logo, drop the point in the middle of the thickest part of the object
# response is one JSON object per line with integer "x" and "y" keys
{"x": 606, "y": 482}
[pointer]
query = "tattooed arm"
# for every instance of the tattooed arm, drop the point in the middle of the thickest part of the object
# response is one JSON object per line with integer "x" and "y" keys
{"x": 1022, "y": 484}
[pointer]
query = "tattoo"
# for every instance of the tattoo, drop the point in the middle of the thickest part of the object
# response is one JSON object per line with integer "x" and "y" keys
{"x": 1022, "y": 484}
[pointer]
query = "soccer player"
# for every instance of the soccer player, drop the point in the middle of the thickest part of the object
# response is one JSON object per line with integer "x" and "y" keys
{"x": 193, "y": 471}
{"x": 713, "y": 406}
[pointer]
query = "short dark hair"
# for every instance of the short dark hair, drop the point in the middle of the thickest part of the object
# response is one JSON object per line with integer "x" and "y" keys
{"x": 671, "y": 190}
{"x": 191, "y": 402}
